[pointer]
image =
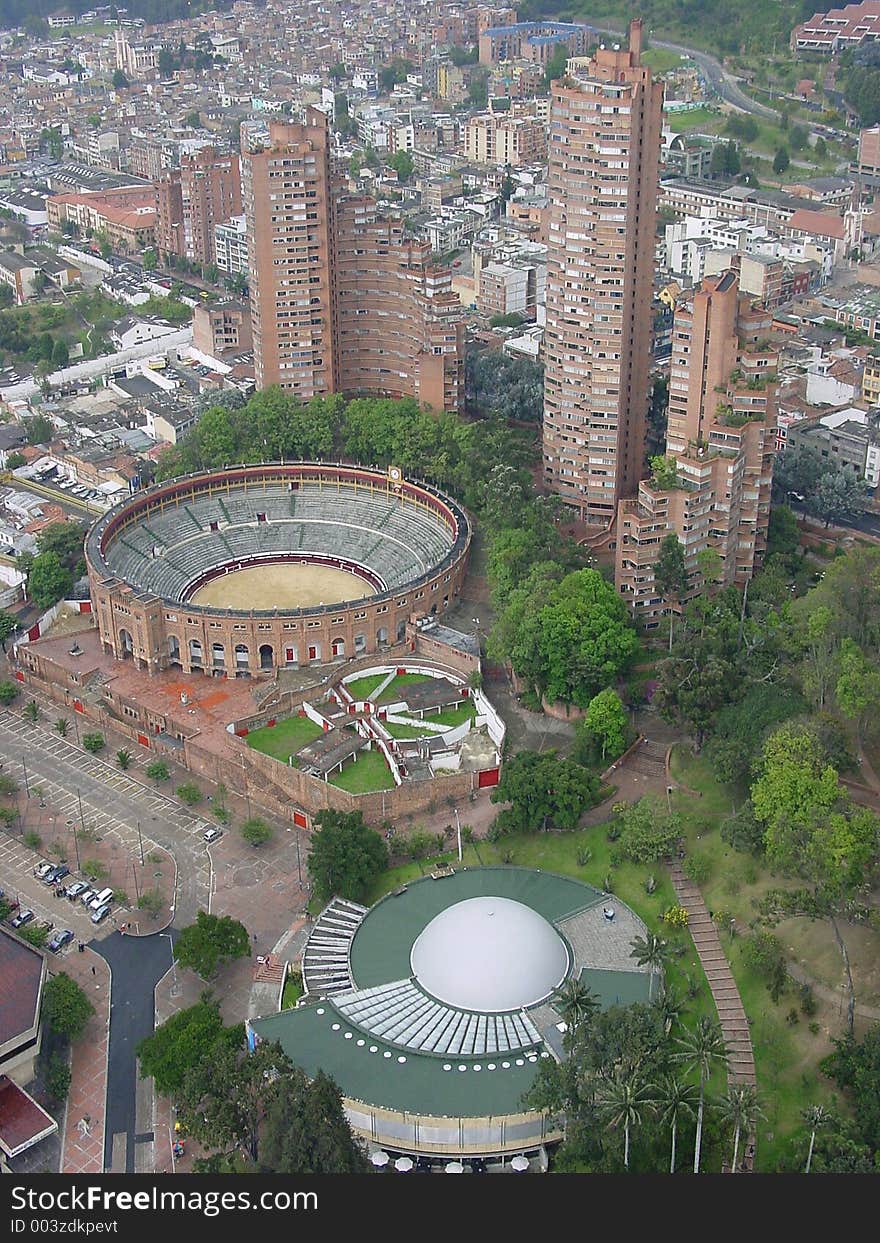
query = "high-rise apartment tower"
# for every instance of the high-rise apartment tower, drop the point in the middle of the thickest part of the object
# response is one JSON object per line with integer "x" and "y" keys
{"x": 604, "y": 144}
{"x": 204, "y": 191}
{"x": 341, "y": 299}
{"x": 714, "y": 489}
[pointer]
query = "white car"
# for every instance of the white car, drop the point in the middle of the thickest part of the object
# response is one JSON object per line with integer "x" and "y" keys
{"x": 211, "y": 835}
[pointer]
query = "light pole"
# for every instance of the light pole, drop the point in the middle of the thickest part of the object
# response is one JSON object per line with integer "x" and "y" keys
{"x": 173, "y": 960}
{"x": 27, "y": 788}
{"x": 458, "y": 833}
{"x": 140, "y": 842}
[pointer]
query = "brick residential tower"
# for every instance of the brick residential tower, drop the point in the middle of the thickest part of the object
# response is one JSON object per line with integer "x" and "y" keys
{"x": 720, "y": 437}
{"x": 604, "y": 145}
{"x": 341, "y": 299}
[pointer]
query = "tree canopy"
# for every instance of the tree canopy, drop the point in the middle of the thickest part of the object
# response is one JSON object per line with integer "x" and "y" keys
{"x": 66, "y": 1008}
{"x": 544, "y": 792}
{"x": 208, "y": 943}
{"x": 189, "y": 1039}
{"x": 48, "y": 580}
{"x": 346, "y": 855}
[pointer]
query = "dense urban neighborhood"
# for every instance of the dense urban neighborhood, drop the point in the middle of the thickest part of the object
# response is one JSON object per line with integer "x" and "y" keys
{"x": 439, "y": 589}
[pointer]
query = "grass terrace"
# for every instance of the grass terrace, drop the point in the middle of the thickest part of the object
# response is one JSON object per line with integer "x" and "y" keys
{"x": 466, "y": 711}
{"x": 697, "y": 118}
{"x": 661, "y": 60}
{"x": 362, "y": 688}
{"x": 284, "y": 739}
{"x": 369, "y": 772}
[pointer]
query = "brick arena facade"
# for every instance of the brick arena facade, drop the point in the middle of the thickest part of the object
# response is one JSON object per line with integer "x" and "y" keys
{"x": 148, "y": 555}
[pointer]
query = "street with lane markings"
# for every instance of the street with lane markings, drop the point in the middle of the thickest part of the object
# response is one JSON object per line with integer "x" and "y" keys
{"x": 113, "y": 803}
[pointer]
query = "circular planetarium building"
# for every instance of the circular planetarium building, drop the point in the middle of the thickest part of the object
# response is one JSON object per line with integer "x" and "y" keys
{"x": 434, "y": 1009}
{"x": 254, "y": 568}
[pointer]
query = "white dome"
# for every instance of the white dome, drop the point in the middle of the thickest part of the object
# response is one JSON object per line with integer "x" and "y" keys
{"x": 489, "y": 954}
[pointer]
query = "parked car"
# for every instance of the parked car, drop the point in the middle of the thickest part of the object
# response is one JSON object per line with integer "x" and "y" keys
{"x": 78, "y": 887}
{"x": 211, "y": 835}
{"x": 87, "y": 896}
{"x": 58, "y": 873}
{"x": 43, "y": 869}
{"x": 60, "y": 939}
{"x": 100, "y": 899}
{"x": 22, "y": 918}
{"x": 101, "y": 913}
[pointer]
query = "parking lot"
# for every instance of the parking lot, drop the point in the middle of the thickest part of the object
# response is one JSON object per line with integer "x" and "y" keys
{"x": 17, "y": 864}
{"x": 80, "y": 788}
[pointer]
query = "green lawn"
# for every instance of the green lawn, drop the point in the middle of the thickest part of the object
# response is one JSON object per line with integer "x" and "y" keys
{"x": 284, "y": 739}
{"x": 465, "y": 711}
{"x": 697, "y": 118}
{"x": 362, "y": 688}
{"x": 292, "y": 993}
{"x": 786, "y": 1054}
{"x": 368, "y": 772}
{"x": 392, "y": 691}
{"x": 659, "y": 60}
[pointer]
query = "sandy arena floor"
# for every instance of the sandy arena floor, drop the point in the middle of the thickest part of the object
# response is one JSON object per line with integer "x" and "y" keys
{"x": 282, "y": 587}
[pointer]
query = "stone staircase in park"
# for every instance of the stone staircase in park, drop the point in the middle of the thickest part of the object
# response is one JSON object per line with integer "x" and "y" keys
{"x": 270, "y": 970}
{"x": 649, "y": 759}
{"x": 725, "y": 994}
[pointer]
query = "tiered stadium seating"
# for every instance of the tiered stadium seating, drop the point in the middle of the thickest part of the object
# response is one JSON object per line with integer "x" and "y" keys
{"x": 397, "y": 540}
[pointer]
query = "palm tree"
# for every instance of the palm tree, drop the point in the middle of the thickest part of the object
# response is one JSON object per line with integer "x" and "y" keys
{"x": 701, "y": 1048}
{"x": 62, "y": 726}
{"x": 620, "y": 1101}
{"x": 674, "y": 1097}
{"x": 669, "y": 1007}
{"x": 650, "y": 951}
{"x": 816, "y": 1117}
{"x": 740, "y": 1108}
{"x": 577, "y": 1004}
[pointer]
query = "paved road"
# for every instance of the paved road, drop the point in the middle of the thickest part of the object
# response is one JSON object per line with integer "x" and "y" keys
{"x": 114, "y": 803}
{"x": 137, "y": 963}
{"x": 869, "y": 522}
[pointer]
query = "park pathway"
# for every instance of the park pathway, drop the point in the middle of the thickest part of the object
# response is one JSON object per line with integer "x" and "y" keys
{"x": 732, "y": 1016}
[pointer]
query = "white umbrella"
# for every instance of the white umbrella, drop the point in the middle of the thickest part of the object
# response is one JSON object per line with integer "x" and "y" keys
{"x": 404, "y": 1164}
{"x": 454, "y": 1167}
{"x": 380, "y": 1158}
{"x": 520, "y": 1164}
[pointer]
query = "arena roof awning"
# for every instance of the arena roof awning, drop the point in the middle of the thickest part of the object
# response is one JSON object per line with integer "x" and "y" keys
{"x": 432, "y": 693}
{"x": 331, "y": 750}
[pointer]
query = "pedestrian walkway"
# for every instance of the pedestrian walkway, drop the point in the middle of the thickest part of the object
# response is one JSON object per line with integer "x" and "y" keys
{"x": 732, "y": 1016}
{"x": 82, "y": 1150}
{"x": 725, "y": 994}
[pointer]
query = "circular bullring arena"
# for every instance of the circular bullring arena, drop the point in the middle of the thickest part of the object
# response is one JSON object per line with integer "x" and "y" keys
{"x": 255, "y": 568}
